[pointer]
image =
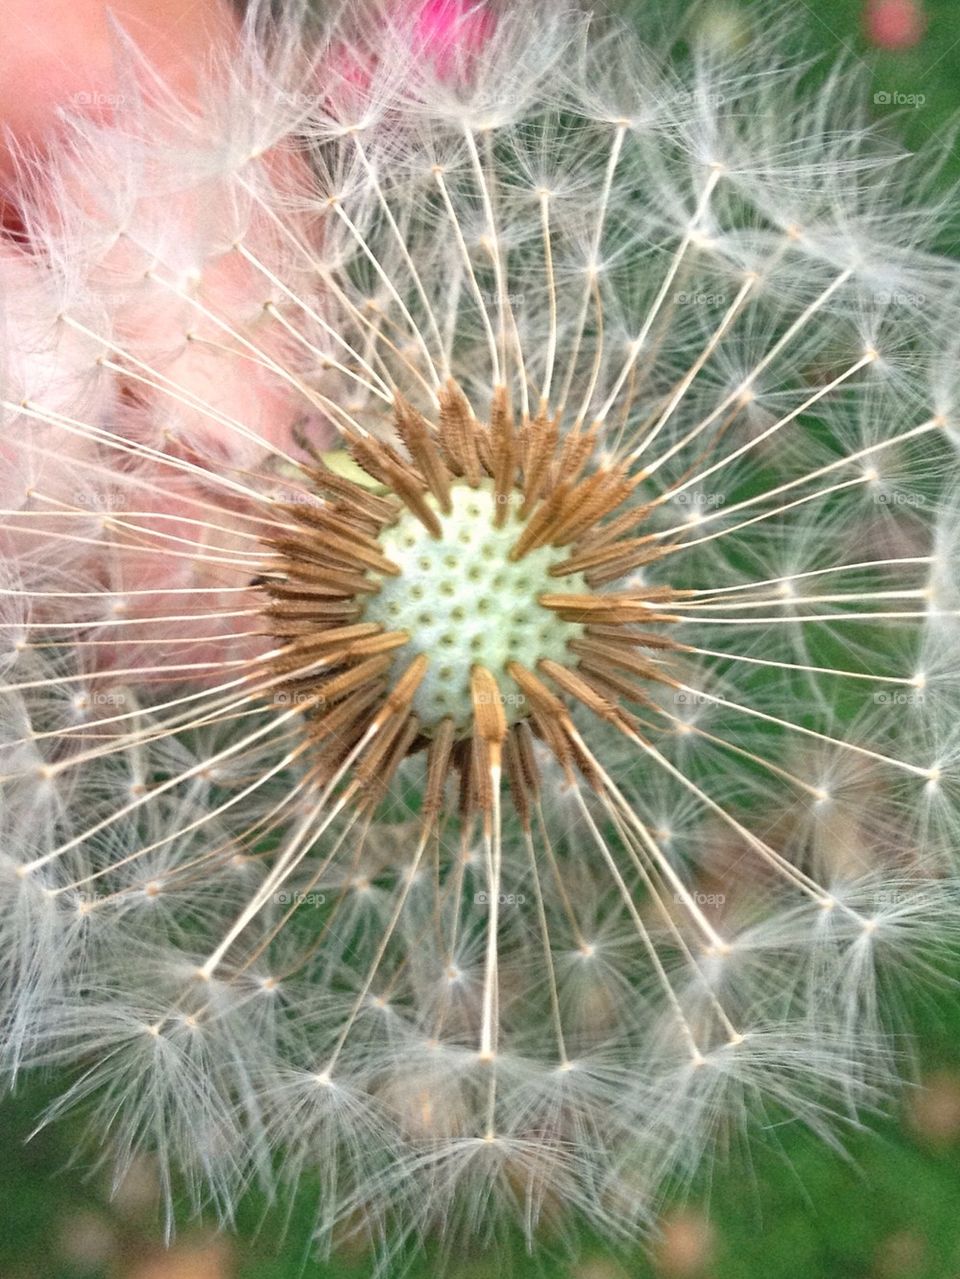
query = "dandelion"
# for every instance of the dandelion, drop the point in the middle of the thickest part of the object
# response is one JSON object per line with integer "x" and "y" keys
{"x": 479, "y": 615}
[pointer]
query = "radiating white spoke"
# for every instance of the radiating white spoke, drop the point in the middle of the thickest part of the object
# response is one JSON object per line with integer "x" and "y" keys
{"x": 161, "y": 788}
{"x": 99, "y": 623}
{"x": 312, "y": 396}
{"x": 636, "y": 847}
{"x": 403, "y": 893}
{"x": 85, "y": 726}
{"x": 549, "y": 966}
{"x": 85, "y": 430}
{"x": 639, "y": 342}
{"x": 506, "y": 319}
{"x": 493, "y": 857}
{"x": 931, "y": 424}
{"x": 551, "y": 282}
{"x": 800, "y": 618}
{"x": 701, "y": 475}
{"x": 797, "y": 601}
{"x": 840, "y": 487}
{"x": 390, "y": 286}
{"x": 156, "y": 731}
{"x": 788, "y": 578}
{"x": 846, "y": 744}
{"x": 244, "y": 564}
{"x": 593, "y": 266}
{"x": 298, "y": 846}
{"x": 133, "y": 593}
{"x": 330, "y": 282}
{"x": 745, "y": 386}
{"x": 210, "y": 814}
{"x": 167, "y": 386}
{"x": 770, "y": 855}
{"x": 675, "y": 400}
{"x": 653, "y": 957}
{"x": 373, "y": 382}
{"x": 496, "y": 373}
{"x": 909, "y": 681}
{"x": 405, "y": 253}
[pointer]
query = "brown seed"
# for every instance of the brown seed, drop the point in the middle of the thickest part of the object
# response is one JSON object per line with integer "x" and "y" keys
{"x": 318, "y": 573}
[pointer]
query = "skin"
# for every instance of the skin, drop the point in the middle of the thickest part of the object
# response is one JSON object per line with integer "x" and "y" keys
{"x": 57, "y": 52}
{"x": 64, "y": 54}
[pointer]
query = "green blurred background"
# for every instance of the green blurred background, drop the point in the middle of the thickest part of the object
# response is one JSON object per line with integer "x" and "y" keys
{"x": 888, "y": 1209}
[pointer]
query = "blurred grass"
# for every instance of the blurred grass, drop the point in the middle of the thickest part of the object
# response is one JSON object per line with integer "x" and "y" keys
{"x": 793, "y": 1209}
{"x": 889, "y": 1208}
{"x": 929, "y": 71}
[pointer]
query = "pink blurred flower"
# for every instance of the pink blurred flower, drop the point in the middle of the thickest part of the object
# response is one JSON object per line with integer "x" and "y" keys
{"x": 894, "y": 24}
{"x": 446, "y": 34}
{"x": 450, "y": 29}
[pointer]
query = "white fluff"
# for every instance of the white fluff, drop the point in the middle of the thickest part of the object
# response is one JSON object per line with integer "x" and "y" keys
{"x": 739, "y": 286}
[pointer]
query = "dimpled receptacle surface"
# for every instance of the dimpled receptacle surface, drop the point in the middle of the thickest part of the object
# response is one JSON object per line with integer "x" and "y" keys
{"x": 464, "y": 602}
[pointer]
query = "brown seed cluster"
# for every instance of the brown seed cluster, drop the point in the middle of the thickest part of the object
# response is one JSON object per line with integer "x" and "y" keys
{"x": 342, "y": 669}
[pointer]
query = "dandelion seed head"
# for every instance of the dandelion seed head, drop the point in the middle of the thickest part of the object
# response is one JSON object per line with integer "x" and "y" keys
{"x": 478, "y": 627}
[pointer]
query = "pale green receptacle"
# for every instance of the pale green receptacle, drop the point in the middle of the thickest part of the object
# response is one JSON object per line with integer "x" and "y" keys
{"x": 464, "y": 602}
